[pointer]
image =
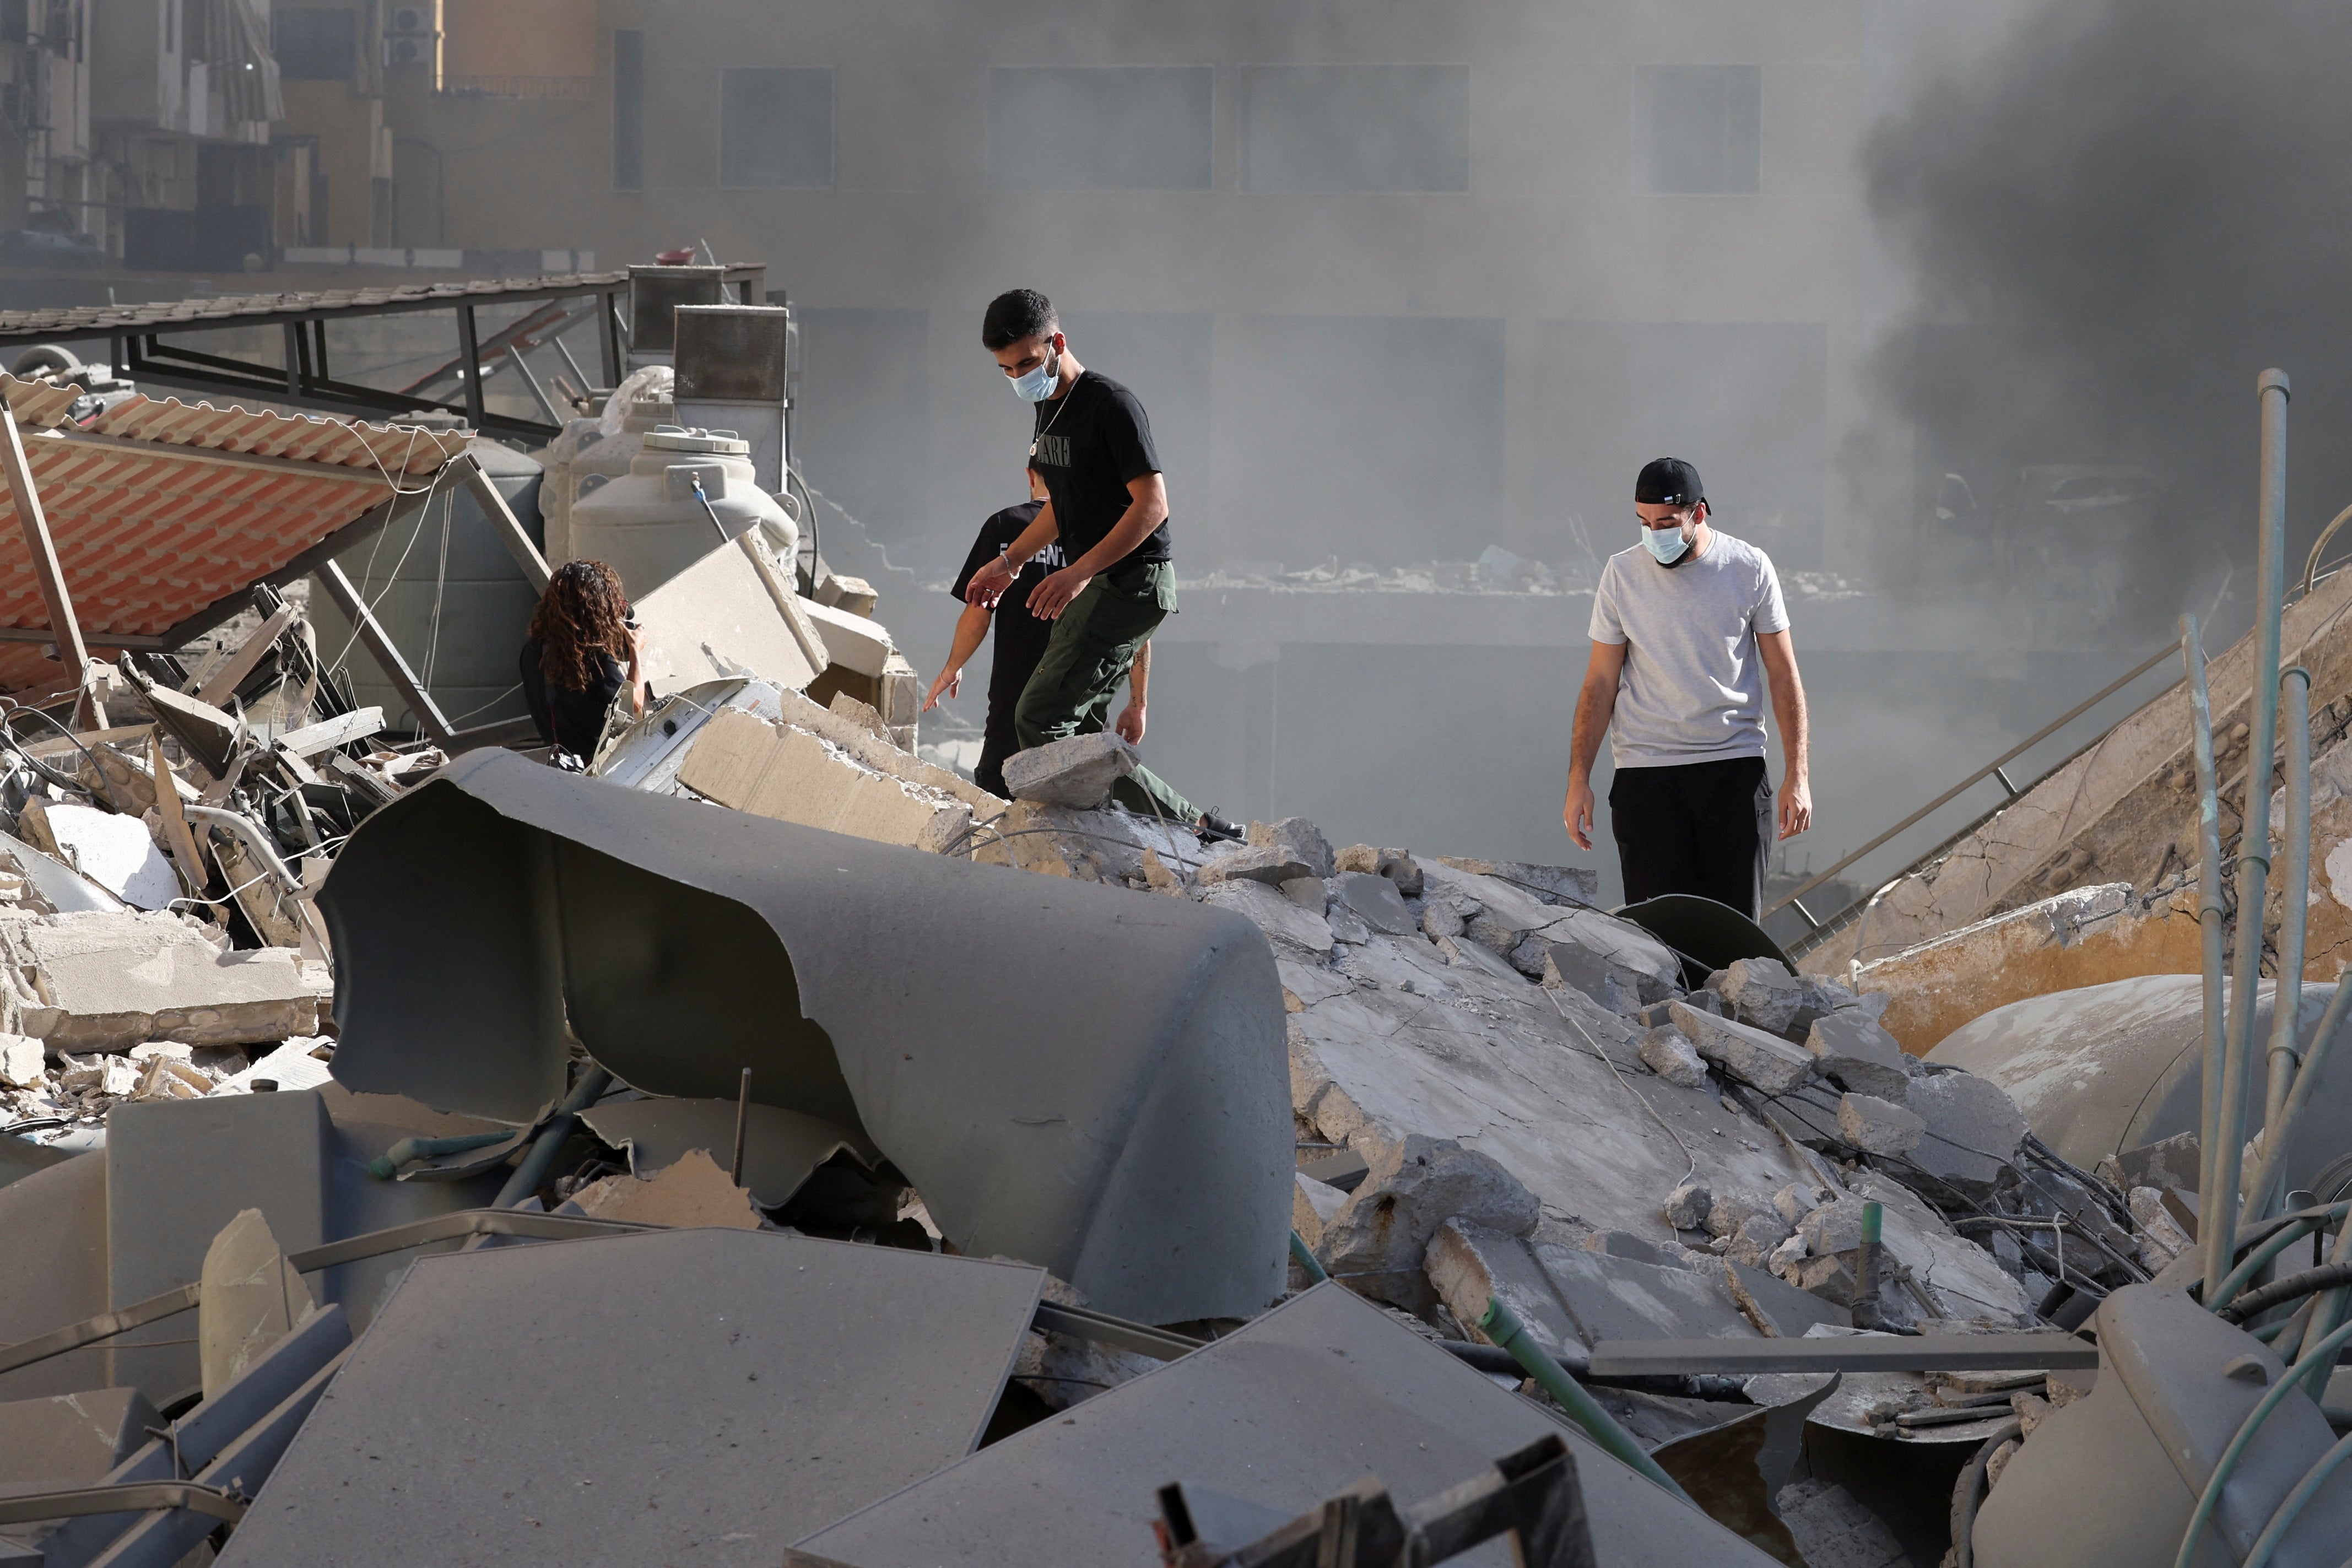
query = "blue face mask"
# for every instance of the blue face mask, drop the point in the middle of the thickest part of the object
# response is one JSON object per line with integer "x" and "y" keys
{"x": 1039, "y": 384}
{"x": 1666, "y": 543}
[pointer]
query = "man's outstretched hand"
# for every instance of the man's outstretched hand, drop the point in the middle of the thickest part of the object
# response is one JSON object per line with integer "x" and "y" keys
{"x": 1796, "y": 808}
{"x": 988, "y": 583}
{"x": 951, "y": 681}
{"x": 1130, "y": 724}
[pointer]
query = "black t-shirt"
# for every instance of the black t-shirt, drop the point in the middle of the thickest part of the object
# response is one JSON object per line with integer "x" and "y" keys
{"x": 1020, "y": 638}
{"x": 570, "y": 720}
{"x": 1091, "y": 444}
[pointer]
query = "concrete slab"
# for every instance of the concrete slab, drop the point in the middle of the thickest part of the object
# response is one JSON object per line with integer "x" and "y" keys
{"x": 176, "y": 1173}
{"x": 1281, "y": 1414}
{"x": 1612, "y": 1297}
{"x": 113, "y": 981}
{"x": 749, "y": 1388}
{"x": 55, "y": 1224}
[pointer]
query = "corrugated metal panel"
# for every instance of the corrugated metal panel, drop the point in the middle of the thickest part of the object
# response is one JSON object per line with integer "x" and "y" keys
{"x": 167, "y": 315}
{"x": 160, "y": 509}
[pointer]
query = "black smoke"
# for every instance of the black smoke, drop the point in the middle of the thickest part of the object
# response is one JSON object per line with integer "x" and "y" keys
{"x": 2113, "y": 221}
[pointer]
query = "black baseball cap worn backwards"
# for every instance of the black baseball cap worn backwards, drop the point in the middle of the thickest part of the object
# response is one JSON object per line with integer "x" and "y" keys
{"x": 1668, "y": 481}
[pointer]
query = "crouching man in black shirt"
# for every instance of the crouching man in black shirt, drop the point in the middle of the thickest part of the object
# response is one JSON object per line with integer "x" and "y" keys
{"x": 1108, "y": 506}
{"x": 1021, "y": 640}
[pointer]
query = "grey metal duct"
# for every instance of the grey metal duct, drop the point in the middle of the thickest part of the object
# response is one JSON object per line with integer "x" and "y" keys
{"x": 1072, "y": 1075}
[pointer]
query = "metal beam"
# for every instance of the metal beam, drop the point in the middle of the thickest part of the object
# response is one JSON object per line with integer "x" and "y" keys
{"x": 537, "y": 391}
{"x": 293, "y": 354}
{"x": 615, "y": 335}
{"x": 387, "y": 654}
{"x": 469, "y": 344}
{"x": 163, "y": 365}
{"x": 1924, "y": 1352}
{"x": 72, "y": 652}
{"x": 128, "y": 319}
{"x": 134, "y": 642}
{"x": 469, "y": 470}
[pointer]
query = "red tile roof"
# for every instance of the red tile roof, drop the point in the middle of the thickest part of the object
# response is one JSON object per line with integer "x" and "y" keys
{"x": 159, "y": 509}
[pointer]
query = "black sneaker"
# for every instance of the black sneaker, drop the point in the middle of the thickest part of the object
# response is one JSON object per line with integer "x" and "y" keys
{"x": 1213, "y": 828}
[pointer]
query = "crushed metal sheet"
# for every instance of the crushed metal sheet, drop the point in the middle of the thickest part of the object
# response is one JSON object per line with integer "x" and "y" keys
{"x": 739, "y": 1390}
{"x": 1280, "y": 1414}
{"x": 780, "y": 1147}
{"x": 887, "y": 991}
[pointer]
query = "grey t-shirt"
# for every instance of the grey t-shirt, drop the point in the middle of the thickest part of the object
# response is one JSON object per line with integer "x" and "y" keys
{"x": 1693, "y": 687}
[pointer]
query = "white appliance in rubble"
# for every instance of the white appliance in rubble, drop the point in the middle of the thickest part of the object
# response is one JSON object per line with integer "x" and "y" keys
{"x": 593, "y": 452}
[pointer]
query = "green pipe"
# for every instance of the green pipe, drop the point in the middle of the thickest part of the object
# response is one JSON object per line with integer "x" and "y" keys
{"x": 2278, "y": 1130}
{"x": 1865, "y": 1311}
{"x": 551, "y": 1140}
{"x": 386, "y": 1165}
{"x": 1305, "y": 1258}
{"x": 2327, "y": 1310}
{"x": 1502, "y": 1326}
{"x": 2321, "y": 1355}
{"x": 2282, "y": 1519}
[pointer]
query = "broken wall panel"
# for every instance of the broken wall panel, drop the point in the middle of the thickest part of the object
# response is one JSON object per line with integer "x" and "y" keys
{"x": 1126, "y": 1129}
{"x": 703, "y": 1396}
{"x": 1280, "y": 1415}
{"x": 53, "y": 1271}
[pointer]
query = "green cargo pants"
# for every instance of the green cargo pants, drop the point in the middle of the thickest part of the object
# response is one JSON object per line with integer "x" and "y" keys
{"x": 1088, "y": 654}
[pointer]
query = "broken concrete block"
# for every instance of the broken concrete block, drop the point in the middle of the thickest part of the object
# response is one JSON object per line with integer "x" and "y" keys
{"x": 1447, "y": 916}
{"x": 1794, "y": 1202}
{"x": 1668, "y": 1052}
{"x": 2162, "y": 1237}
{"x": 252, "y": 1298}
{"x": 1973, "y": 1129}
{"x": 1552, "y": 884}
{"x": 1346, "y": 927}
{"x": 1306, "y": 892}
{"x": 1576, "y": 966}
{"x": 23, "y": 1061}
{"x": 1298, "y": 838}
{"x": 1747, "y": 1053}
{"x": 822, "y": 771}
{"x": 1778, "y": 1309}
{"x": 1394, "y": 864}
{"x": 1412, "y": 1187}
{"x": 1159, "y": 878}
{"x": 1761, "y": 992}
{"x": 1759, "y": 1236}
{"x": 1470, "y": 1265}
{"x": 1463, "y": 952}
{"x": 161, "y": 1077}
{"x": 1312, "y": 1206}
{"x": 1077, "y": 772}
{"x": 1854, "y": 1053}
{"x": 2167, "y": 1163}
{"x": 1270, "y": 866}
{"x": 689, "y": 1191}
{"x": 1285, "y": 925}
{"x": 1833, "y": 1529}
{"x": 1735, "y": 1207}
{"x": 1832, "y": 1228}
{"x": 1373, "y": 899}
{"x": 88, "y": 982}
{"x": 1688, "y": 1205}
{"x": 1877, "y": 1126}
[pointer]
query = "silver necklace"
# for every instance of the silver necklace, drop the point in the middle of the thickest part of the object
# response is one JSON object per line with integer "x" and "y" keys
{"x": 1037, "y": 439}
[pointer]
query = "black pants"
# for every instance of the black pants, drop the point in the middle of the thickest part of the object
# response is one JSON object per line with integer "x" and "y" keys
{"x": 1702, "y": 827}
{"x": 998, "y": 742}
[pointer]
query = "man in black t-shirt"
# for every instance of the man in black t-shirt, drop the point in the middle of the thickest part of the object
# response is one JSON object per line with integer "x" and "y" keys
{"x": 1020, "y": 642}
{"x": 1108, "y": 506}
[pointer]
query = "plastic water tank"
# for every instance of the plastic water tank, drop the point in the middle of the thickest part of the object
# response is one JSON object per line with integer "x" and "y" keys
{"x": 484, "y": 601}
{"x": 591, "y": 452}
{"x": 648, "y": 525}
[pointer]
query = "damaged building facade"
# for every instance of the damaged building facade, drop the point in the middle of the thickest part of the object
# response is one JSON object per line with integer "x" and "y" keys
{"x": 932, "y": 1176}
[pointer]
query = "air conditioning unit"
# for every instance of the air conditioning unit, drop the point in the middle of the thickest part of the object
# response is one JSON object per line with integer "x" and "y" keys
{"x": 408, "y": 49}
{"x": 412, "y": 21}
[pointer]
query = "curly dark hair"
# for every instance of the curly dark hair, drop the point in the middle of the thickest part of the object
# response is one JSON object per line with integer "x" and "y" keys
{"x": 584, "y": 611}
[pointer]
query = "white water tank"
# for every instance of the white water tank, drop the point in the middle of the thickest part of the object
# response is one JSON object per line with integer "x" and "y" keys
{"x": 592, "y": 452}
{"x": 648, "y": 525}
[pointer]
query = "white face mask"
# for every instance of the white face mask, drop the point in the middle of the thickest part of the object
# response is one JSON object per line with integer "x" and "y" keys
{"x": 1039, "y": 384}
{"x": 1665, "y": 543}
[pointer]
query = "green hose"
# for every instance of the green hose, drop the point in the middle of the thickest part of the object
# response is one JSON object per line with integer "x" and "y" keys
{"x": 591, "y": 1086}
{"x": 386, "y": 1165}
{"x": 2235, "y": 1280}
{"x": 2284, "y": 1517}
{"x": 1304, "y": 1256}
{"x": 1502, "y": 1326}
{"x": 2321, "y": 1357}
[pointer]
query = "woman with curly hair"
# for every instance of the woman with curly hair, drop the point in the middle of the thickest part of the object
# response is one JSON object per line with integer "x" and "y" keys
{"x": 584, "y": 648}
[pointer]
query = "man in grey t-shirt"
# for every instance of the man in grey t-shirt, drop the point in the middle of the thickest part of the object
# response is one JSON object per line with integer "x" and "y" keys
{"x": 1686, "y": 628}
